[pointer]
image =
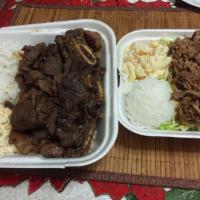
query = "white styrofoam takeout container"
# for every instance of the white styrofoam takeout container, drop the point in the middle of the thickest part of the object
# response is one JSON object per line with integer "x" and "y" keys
{"x": 195, "y": 3}
{"x": 144, "y": 36}
{"x": 107, "y": 131}
{"x": 107, "y": 128}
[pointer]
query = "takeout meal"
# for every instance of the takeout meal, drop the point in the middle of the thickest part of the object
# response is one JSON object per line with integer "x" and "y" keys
{"x": 162, "y": 83}
{"x": 52, "y": 95}
{"x": 60, "y": 95}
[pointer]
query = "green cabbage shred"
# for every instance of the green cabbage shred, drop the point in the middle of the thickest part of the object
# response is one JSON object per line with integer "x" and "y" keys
{"x": 175, "y": 126}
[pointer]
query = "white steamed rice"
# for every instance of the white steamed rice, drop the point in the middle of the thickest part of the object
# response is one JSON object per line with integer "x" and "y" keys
{"x": 147, "y": 102}
{"x": 9, "y": 61}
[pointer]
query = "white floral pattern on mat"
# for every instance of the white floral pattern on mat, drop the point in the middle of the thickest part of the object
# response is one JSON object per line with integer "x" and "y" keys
{"x": 167, "y": 189}
{"x": 134, "y": 1}
{"x": 73, "y": 191}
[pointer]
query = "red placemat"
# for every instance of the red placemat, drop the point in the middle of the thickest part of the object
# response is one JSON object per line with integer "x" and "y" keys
{"x": 38, "y": 185}
{"x": 115, "y": 190}
{"x": 9, "y": 6}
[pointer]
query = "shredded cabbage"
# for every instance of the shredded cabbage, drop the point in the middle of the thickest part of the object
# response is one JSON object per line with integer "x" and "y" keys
{"x": 175, "y": 126}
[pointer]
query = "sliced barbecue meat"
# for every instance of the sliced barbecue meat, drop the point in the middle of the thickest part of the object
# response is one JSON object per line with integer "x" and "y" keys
{"x": 78, "y": 48}
{"x": 197, "y": 57}
{"x": 52, "y": 64}
{"x": 72, "y": 92}
{"x": 30, "y": 56}
{"x": 51, "y": 149}
{"x": 44, "y": 106}
{"x": 31, "y": 76}
{"x": 196, "y": 36}
{"x": 21, "y": 82}
{"x": 48, "y": 86}
{"x": 74, "y": 152}
{"x": 8, "y": 104}
{"x": 61, "y": 96}
{"x": 69, "y": 65}
{"x": 23, "y": 142}
{"x": 36, "y": 142}
{"x": 51, "y": 121}
{"x": 61, "y": 44}
{"x": 24, "y": 117}
{"x": 69, "y": 134}
{"x": 39, "y": 137}
{"x": 93, "y": 39}
{"x": 72, "y": 97}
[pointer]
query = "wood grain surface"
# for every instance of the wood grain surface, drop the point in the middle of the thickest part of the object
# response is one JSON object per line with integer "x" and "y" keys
{"x": 132, "y": 154}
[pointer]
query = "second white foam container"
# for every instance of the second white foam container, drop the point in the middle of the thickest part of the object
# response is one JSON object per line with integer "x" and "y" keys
{"x": 145, "y": 36}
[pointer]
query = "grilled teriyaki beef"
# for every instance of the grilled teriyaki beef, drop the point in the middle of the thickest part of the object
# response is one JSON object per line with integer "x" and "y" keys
{"x": 61, "y": 96}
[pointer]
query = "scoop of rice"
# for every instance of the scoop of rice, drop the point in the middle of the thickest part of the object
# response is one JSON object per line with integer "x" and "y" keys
{"x": 147, "y": 102}
{"x": 9, "y": 61}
